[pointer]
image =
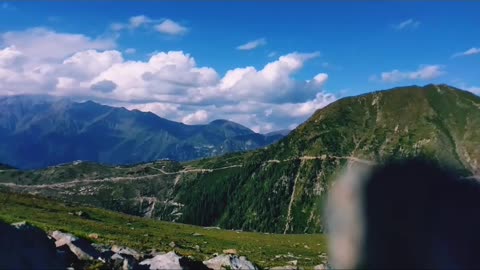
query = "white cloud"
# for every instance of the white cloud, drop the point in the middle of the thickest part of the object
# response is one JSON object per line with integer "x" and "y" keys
{"x": 253, "y": 44}
{"x": 117, "y": 26}
{"x": 474, "y": 89}
{"x": 164, "y": 26}
{"x": 424, "y": 72}
{"x": 471, "y": 51}
{"x": 272, "y": 54}
{"x": 42, "y": 43}
{"x": 89, "y": 63}
{"x": 130, "y": 51}
{"x": 9, "y": 56}
{"x": 470, "y": 88}
{"x": 170, "y": 84}
{"x": 170, "y": 27}
{"x": 137, "y": 21}
{"x": 320, "y": 79}
{"x": 133, "y": 23}
{"x": 305, "y": 109}
{"x": 272, "y": 83}
{"x": 198, "y": 117}
{"x": 166, "y": 110}
{"x": 165, "y": 76}
{"x": 407, "y": 24}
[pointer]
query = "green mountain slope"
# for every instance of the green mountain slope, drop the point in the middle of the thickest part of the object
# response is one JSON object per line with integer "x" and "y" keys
{"x": 283, "y": 187}
{"x": 437, "y": 119}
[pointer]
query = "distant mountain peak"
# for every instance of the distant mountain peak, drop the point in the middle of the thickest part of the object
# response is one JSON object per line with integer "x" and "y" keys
{"x": 44, "y": 131}
{"x": 89, "y": 102}
{"x": 221, "y": 122}
{"x": 230, "y": 126}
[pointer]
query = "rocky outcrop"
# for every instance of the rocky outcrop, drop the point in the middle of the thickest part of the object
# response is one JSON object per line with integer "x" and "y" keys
{"x": 24, "y": 246}
{"x": 125, "y": 251}
{"x": 164, "y": 261}
{"x": 171, "y": 260}
{"x": 123, "y": 262}
{"x": 230, "y": 262}
{"x": 80, "y": 247}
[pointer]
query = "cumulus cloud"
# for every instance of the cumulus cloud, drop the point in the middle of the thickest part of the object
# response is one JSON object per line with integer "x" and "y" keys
{"x": 166, "y": 110}
{"x": 305, "y": 109}
{"x": 42, "y": 43}
{"x": 170, "y": 84}
{"x": 272, "y": 83}
{"x": 9, "y": 56}
{"x": 253, "y": 45}
{"x": 407, "y": 24}
{"x": 424, "y": 72}
{"x": 170, "y": 27}
{"x": 85, "y": 64}
{"x": 105, "y": 86}
{"x": 469, "y": 52}
{"x": 165, "y": 76}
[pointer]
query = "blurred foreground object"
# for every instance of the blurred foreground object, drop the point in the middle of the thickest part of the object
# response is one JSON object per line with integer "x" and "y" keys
{"x": 410, "y": 214}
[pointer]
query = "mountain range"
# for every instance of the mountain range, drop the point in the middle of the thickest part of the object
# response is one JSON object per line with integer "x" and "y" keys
{"x": 42, "y": 131}
{"x": 283, "y": 187}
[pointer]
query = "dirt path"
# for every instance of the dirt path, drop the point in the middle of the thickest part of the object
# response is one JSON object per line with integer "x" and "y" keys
{"x": 323, "y": 157}
{"x": 74, "y": 183}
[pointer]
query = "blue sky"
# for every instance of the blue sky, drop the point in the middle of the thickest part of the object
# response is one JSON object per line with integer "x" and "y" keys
{"x": 356, "y": 47}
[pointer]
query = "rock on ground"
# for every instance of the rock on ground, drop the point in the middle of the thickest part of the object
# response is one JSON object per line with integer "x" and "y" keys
{"x": 126, "y": 251}
{"x": 80, "y": 247}
{"x": 171, "y": 260}
{"x": 286, "y": 267}
{"x": 229, "y": 262}
{"x": 165, "y": 261}
{"x": 231, "y": 251}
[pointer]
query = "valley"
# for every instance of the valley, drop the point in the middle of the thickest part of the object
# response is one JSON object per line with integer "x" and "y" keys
{"x": 240, "y": 136}
{"x": 281, "y": 188}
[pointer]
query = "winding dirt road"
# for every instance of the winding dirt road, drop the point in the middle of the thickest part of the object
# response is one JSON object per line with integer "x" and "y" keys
{"x": 77, "y": 182}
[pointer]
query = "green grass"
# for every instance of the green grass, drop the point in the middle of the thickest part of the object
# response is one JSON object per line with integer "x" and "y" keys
{"x": 83, "y": 170}
{"x": 145, "y": 234}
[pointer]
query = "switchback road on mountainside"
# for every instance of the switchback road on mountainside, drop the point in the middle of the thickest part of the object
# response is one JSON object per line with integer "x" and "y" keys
{"x": 162, "y": 172}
